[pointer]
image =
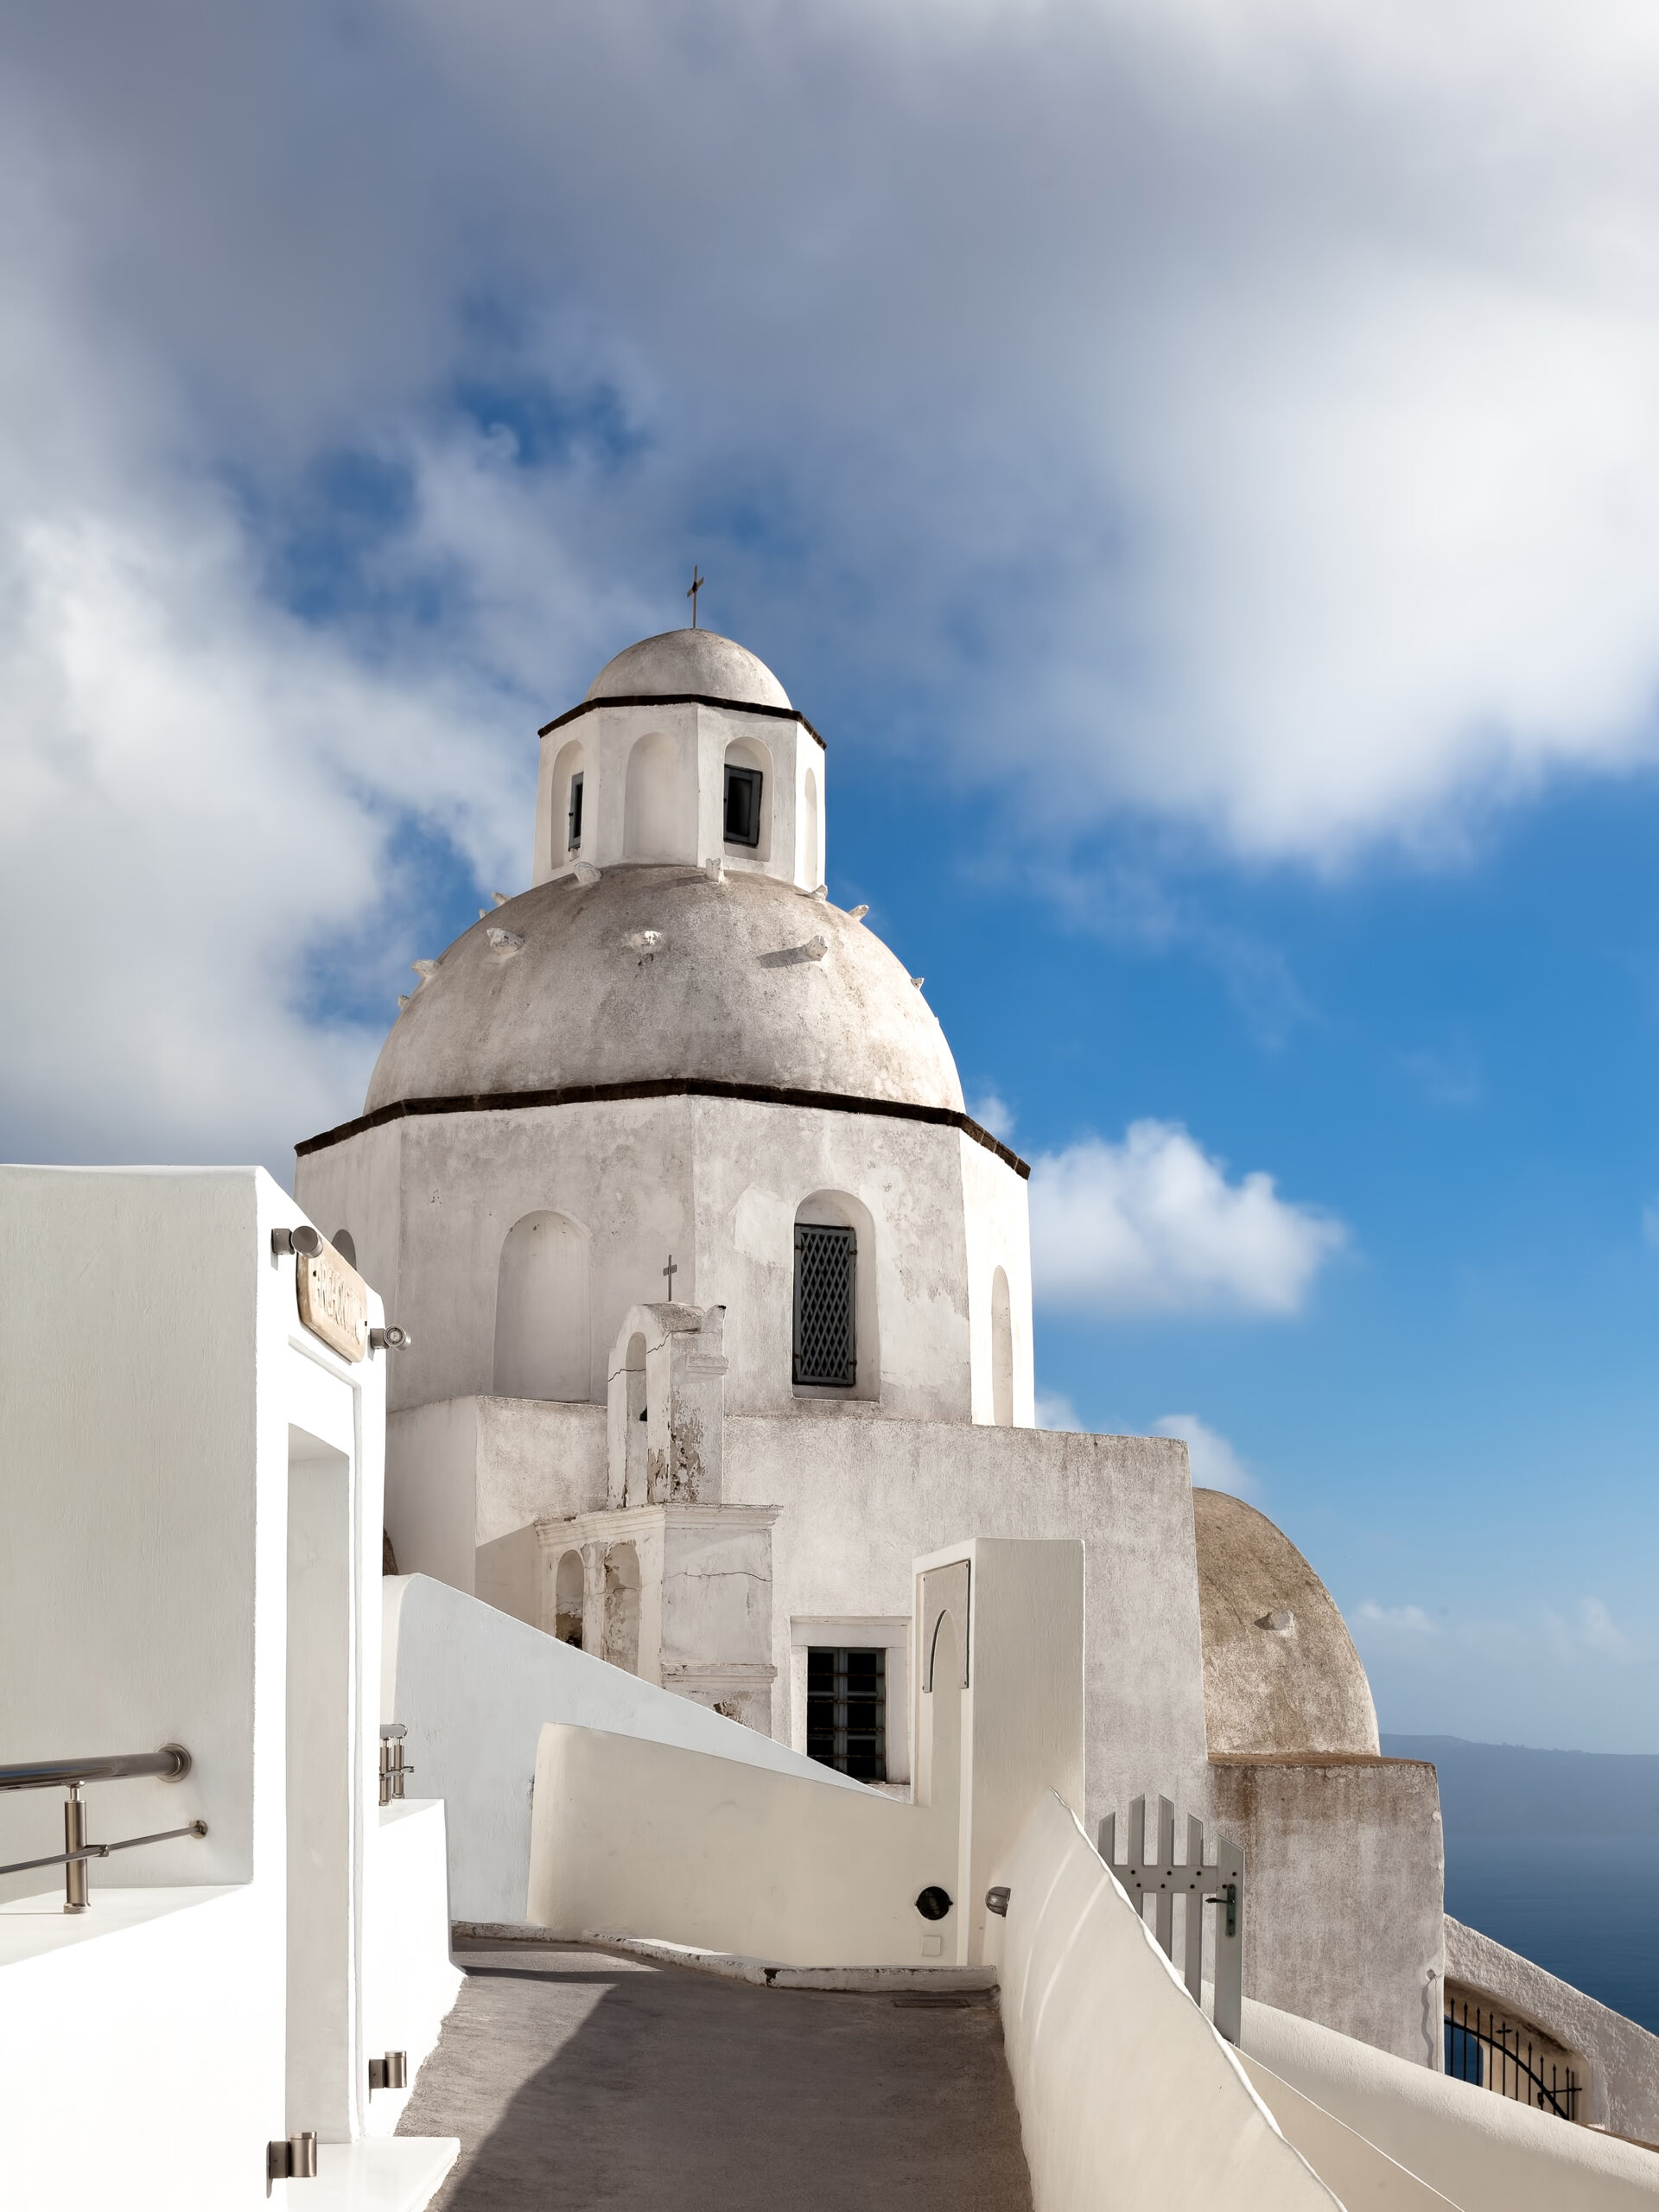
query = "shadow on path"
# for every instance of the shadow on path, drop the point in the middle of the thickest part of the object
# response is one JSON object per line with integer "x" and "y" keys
{"x": 578, "y": 2079}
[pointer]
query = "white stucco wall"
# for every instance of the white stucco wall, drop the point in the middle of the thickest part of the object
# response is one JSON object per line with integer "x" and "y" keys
{"x": 1485, "y": 2153}
{"x": 1125, "y": 2094}
{"x": 474, "y": 1689}
{"x": 409, "y": 1982}
{"x": 430, "y": 1202}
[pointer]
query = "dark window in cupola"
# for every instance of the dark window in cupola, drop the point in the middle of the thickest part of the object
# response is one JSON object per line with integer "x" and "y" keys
{"x": 742, "y": 806}
{"x": 574, "y": 844}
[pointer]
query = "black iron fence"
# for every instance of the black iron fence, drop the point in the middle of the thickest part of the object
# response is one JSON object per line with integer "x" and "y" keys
{"x": 1505, "y": 2055}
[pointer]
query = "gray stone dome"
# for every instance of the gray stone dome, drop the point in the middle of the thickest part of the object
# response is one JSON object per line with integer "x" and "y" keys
{"x": 655, "y": 973}
{"x": 699, "y": 664}
{"x": 1280, "y": 1672}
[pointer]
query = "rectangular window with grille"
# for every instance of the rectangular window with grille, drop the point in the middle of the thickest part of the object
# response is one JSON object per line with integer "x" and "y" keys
{"x": 847, "y": 1712}
{"x": 826, "y": 1259}
{"x": 742, "y": 806}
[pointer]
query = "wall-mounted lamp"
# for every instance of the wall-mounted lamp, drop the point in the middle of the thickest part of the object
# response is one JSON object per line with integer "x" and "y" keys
{"x": 391, "y": 2072}
{"x": 996, "y": 1900}
{"x": 933, "y": 1902}
{"x": 304, "y": 1240}
{"x": 390, "y": 1338}
{"x": 294, "y": 2157}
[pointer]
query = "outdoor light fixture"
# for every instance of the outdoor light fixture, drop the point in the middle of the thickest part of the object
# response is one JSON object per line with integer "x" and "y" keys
{"x": 390, "y": 1338}
{"x": 293, "y": 2157}
{"x": 934, "y": 1903}
{"x": 391, "y": 2072}
{"x": 304, "y": 1240}
{"x": 996, "y": 1900}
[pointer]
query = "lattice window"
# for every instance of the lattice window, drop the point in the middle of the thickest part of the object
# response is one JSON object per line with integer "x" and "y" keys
{"x": 847, "y": 1712}
{"x": 825, "y": 1266}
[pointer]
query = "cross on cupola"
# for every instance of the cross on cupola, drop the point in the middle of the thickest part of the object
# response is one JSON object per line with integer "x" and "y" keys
{"x": 698, "y": 583}
{"x": 670, "y": 1271}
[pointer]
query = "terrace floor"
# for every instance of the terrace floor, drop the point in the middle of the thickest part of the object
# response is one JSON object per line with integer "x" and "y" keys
{"x": 579, "y": 2078}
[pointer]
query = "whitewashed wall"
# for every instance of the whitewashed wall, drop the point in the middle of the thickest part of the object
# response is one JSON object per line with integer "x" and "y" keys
{"x": 1125, "y": 2094}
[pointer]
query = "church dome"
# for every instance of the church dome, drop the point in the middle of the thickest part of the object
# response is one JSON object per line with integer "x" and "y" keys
{"x": 696, "y": 664}
{"x": 1280, "y": 1672}
{"x": 657, "y": 973}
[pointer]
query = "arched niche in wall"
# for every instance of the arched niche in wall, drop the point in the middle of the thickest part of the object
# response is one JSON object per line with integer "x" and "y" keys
{"x": 1001, "y": 1351}
{"x": 655, "y": 821}
{"x": 811, "y": 834}
{"x": 572, "y": 802}
{"x": 747, "y": 800}
{"x": 568, "y": 1599}
{"x": 541, "y": 1310}
{"x": 823, "y": 1320}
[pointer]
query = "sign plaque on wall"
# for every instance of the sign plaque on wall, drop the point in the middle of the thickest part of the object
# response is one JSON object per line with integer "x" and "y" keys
{"x": 333, "y": 1302}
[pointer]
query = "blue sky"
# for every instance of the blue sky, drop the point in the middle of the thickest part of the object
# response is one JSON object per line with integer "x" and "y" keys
{"x": 1200, "y": 473}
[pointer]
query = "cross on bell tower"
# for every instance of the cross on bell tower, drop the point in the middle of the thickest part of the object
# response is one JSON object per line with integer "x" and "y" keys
{"x": 670, "y": 1271}
{"x": 697, "y": 583}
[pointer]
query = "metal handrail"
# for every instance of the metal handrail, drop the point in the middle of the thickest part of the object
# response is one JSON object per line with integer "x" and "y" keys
{"x": 172, "y": 1763}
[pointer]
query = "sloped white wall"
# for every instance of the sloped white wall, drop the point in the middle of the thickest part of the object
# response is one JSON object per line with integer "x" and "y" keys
{"x": 474, "y": 1687}
{"x": 1486, "y": 2153}
{"x": 1125, "y": 2094}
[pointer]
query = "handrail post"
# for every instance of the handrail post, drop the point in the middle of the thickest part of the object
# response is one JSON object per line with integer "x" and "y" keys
{"x": 77, "y": 1890}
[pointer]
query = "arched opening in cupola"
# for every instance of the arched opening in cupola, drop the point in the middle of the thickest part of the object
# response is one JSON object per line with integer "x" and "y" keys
{"x": 569, "y": 800}
{"x": 541, "y": 1310}
{"x": 747, "y": 800}
{"x": 655, "y": 825}
{"x": 811, "y": 852}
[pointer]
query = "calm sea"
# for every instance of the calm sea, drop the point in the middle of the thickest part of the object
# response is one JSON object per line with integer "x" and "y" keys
{"x": 1555, "y": 1854}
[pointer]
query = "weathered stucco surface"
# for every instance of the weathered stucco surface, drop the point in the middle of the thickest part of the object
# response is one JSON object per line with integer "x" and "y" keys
{"x": 1280, "y": 1672}
{"x": 1621, "y": 2073}
{"x": 1344, "y": 1881}
{"x": 728, "y": 987}
{"x": 700, "y": 661}
{"x": 430, "y": 1202}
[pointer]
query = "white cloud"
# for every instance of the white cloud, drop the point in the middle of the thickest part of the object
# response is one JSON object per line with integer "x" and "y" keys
{"x": 993, "y": 1114}
{"x": 1256, "y": 404}
{"x": 1152, "y": 1225}
{"x": 1398, "y": 1623}
{"x": 1214, "y": 1464}
{"x": 1055, "y": 1410}
{"x": 1599, "y": 1632}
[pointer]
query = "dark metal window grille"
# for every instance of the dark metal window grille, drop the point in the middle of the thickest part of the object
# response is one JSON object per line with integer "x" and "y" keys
{"x": 1492, "y": 2053}
{"x": 576, "y": 814}
{"x": 742, "y": 806}
{"x": 847, "y": 1712}
{"x": 826, "y": 1260}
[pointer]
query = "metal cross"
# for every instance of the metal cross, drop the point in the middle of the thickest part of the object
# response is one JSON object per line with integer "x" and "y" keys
{"x": 697, "y": 583}
{"x": 670, "y": 1271}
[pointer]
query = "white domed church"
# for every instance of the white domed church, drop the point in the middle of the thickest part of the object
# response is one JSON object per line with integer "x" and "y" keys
{"x": 721, "y": 1313}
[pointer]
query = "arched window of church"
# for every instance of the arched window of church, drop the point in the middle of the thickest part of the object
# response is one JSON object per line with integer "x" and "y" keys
{"x": 345, "y": 1244}
{"x": 748, "y": 798}
{"x": 834, "y": 1344}
{"x": 541, "y": 1310}
{"x": 811, "y": 864}
{"x": 1001, "y": 1352}
{"x": 654, "y": 826}
{"x": 568, "y": 782}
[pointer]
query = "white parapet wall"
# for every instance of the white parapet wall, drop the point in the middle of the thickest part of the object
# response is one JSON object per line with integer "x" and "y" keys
{"x": 1484, "y": 2153}
{"x": 640, "y": 1839}
{"x": 1125, "y": 2094}
{"x": 474, "y": 1687}
{"x": 409, "y": 1982}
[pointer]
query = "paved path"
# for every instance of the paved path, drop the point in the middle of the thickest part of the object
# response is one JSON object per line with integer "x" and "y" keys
{"x": 578, "y": 2079}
